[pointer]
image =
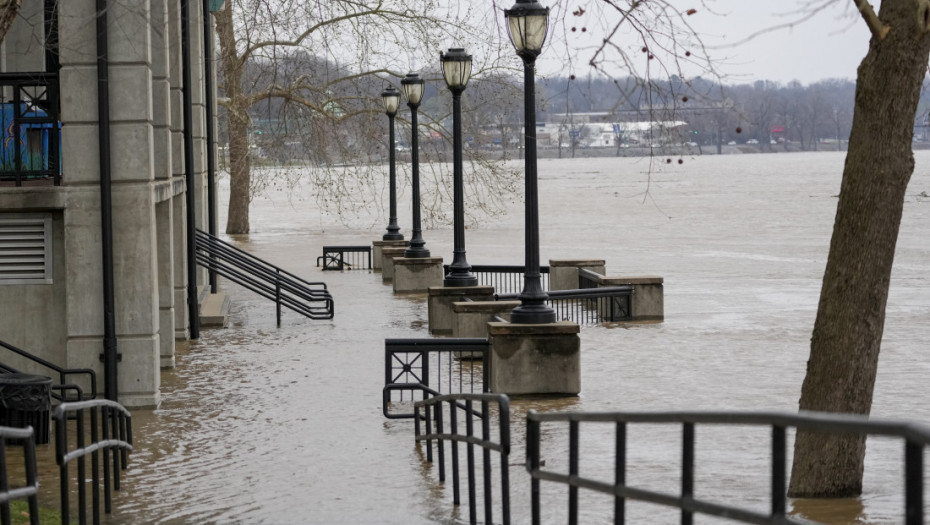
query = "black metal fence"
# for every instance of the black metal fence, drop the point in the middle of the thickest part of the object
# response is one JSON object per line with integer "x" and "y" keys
{"x": 64, "y": 384}
{"x": 310, "y": 299}
{"x": 430, "y": 367}
{"x": 19, "y": 437}
{"x": 504, "y": 278}
{"x": 30, "y": 148}
{"x": 110, "y": 441}
{"x": 915, "y": 437}
{"x": 345, "y": 258}
{"x": 442, "y": 420}
{"x": 589, "y": 305}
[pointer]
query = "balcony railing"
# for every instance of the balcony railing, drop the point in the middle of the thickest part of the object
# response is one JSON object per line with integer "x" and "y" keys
{"x": 30, "y": 150}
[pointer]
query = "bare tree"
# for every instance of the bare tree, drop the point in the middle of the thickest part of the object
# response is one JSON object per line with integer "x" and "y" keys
{"x": 319, "y": 66}
{"x": 848, "y": 330}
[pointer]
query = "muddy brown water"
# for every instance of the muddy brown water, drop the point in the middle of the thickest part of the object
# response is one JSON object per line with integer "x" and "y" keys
{"x": 260, "y": 424}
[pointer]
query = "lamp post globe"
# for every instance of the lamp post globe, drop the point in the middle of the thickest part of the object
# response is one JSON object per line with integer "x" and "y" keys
{"x": 527, "y": 25}
{"x": 390, "y": 98}
{"x": 412, "y": 86}
{"x": 456, "y": 69}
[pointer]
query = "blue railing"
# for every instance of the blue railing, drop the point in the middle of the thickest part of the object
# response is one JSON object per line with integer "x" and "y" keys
{"x": 30, "y": 149}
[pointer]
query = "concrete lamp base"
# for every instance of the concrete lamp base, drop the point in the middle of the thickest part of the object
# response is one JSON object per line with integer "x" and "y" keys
{"x": 535, "y": 359}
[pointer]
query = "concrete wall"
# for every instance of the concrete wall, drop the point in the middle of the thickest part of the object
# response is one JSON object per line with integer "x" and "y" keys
{"x": 63, "y": 321}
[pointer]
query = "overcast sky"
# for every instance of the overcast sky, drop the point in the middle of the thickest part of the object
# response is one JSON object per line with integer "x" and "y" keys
{"x": 829, "y": 45}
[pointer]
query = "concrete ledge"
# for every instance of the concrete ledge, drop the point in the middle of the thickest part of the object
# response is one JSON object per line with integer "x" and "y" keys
{"x": 416, "y": 275}
{"x": 471, "y": 318}
{"x": 441, "y": 299}
{"x": 377, "y": 251}
{"x": 563, "y": 273}
{"x": 648, "y": 301}
{"x": 387, "y": 261}
{"x": 535, "y": 359}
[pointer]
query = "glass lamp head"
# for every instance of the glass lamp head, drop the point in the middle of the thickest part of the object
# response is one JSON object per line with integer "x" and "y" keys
{"x": 527, "y": 25}
{"x": 412, "y": 86}
{"x": 456, "y": 68}
{"x": 390, "y": 97}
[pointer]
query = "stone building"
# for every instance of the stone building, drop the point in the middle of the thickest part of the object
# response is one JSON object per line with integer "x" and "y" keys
{"x": 52, "y": 300}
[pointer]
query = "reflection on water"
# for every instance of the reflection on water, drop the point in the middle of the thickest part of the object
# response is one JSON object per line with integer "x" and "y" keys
{"x": 841, "y": 512}
{"x": 260, "y": 424}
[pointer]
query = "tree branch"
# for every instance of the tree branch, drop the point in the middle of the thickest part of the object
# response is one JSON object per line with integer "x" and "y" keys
{"x": 876, "y": 26}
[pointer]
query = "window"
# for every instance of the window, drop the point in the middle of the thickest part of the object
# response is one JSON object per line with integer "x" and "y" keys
{"x": 25, "y": 248}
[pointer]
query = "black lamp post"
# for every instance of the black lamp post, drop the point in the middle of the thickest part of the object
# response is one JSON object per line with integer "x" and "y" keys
{"x": 528, "y": 23}
{"x": 412, "y": 86}
{"x": 390, "y": 97}
{"x": 456, "y": 68}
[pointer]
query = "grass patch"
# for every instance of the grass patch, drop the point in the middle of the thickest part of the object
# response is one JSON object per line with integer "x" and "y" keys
{"x": 19, "y": 512}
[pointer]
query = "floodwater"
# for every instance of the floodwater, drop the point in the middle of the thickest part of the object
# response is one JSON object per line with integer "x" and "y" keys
{"x": 260, "y": 424}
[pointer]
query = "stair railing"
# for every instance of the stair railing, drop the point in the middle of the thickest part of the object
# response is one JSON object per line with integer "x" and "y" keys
{"x": 63, "y": 373}
{"x": 310, "y": 299}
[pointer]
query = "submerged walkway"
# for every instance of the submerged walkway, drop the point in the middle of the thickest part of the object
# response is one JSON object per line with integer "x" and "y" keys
{"x": 260, "y": 424}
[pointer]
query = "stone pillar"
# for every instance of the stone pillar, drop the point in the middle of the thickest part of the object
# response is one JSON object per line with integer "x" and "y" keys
{"x": 648, "y": 300}
{"x": 441, "y": 299}
{"x": 535, "y": 358}
{"x": 377, "y": 251}
{"x": 178, "y": 202}
{"x": 471, "y": 318}
{"x": 388, "y": 254}
{"x": 563, "y": 273}
{"x": 164, "y": 210}
{"x": 134, "y": 197}
{"x": 417, "y": 275}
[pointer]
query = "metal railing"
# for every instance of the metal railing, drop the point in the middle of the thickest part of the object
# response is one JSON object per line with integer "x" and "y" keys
{"x": 29, "y": 490}
{"x": 588, "y": 279}
{"x": 345, "y": 258}
{"x": 110, "y": 436}
{"x": 443, "y": 417}
{"x": 431, "y": 367}
{"x": 504, "y": 278}
{"x": 587, "y": 306}
{"x": 63, "y": 373}
{"x": 310, "y": 299}
{"x": 31, "y": 138}
{"x": 916, "y": 438}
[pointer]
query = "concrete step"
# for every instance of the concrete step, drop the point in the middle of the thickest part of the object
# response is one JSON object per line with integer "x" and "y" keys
{"x": 214, "y": 309}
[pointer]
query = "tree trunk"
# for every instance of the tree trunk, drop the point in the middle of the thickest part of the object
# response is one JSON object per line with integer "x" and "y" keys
{"x": 8, "y": 11}
{"x": 237, "y": 109}
{"x": 851, "y": 314}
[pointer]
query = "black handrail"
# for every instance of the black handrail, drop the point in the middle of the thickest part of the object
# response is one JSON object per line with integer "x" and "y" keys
{"x": 63, "y": 373}
{"x": 334, "y": 258}
{"x": 263, "y": 278}
{"x": 24, "y": 437}
{"x": 504, "y": 278}
{"x": 587, "y": 305}
{"x": 110, "y": 433}
{"x": 442, "y": 424}
{"x": 916, "y": 437}
{"x": 454, "y": 368}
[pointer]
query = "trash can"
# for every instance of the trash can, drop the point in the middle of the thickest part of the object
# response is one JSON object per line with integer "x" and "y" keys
{"x": 25, "y": 400}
